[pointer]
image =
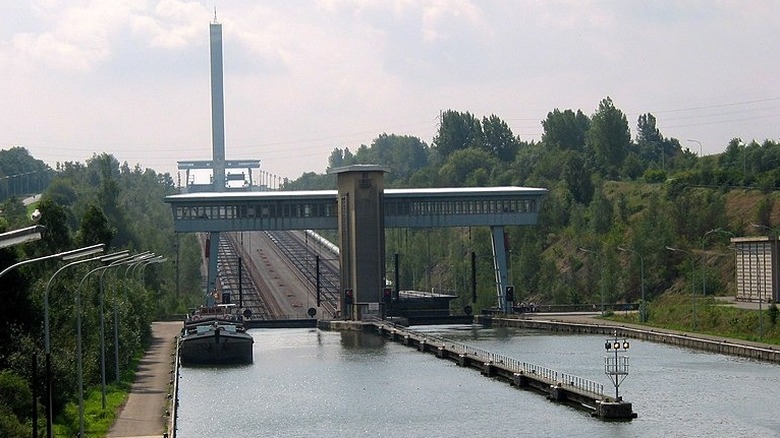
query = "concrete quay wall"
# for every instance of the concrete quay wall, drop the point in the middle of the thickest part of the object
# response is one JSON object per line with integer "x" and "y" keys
{"x": 699, "y": 342}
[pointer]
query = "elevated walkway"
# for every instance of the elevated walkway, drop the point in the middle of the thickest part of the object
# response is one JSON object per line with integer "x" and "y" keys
{"x": 318, "y": 209}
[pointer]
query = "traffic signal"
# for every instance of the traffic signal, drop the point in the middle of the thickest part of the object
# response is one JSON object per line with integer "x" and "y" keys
{"x": 510, "y": 294}
{"x": 387, "y": 294}
{"x": 349, "y": 297}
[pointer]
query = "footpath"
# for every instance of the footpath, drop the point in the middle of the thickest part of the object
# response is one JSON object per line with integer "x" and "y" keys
{"x": 144, "y": 413}
{"x": 590, "y": 323}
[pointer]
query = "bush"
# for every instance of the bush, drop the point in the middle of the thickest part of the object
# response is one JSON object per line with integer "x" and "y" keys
{"x": 15, "y": 405}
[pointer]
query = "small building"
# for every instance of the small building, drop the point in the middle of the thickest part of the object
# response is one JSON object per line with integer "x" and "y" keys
{"x": 756, "y": 268}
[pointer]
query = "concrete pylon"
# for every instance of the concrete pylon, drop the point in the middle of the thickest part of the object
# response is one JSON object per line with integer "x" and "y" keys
{"x": 361, "y": 239}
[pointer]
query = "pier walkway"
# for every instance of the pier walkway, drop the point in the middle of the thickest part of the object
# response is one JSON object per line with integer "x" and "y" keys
{"x": 556, "y": 386}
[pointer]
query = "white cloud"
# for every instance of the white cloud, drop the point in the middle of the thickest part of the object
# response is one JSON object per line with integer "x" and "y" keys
{"x": 305, "y": 77}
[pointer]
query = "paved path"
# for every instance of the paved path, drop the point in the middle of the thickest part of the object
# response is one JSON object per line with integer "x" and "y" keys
{"x": 144, "y": 413}
{"x": 592, "y": 318}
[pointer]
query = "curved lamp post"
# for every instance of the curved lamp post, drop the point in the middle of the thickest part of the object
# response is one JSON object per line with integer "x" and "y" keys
{"x": 64, "y": 256}
{"x": 643, "y": 304}
{"x": 130, "y": 261}
{"x": 103, "y": 269}
{"x": 701, "y": 148}
{"x": 78, "y": 332}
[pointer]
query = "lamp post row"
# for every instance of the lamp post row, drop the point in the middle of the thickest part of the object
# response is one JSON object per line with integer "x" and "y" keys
{"x": 75, "y": 257}
{"x": 642, "y": 305}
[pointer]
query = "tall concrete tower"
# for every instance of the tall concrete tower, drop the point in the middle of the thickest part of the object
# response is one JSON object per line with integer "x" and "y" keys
{"x": 218, "y": 145}
{"x": 217, "y": 107}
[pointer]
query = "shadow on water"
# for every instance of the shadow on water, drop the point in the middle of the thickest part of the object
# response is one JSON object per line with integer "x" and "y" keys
{"x": 355, "y": 340}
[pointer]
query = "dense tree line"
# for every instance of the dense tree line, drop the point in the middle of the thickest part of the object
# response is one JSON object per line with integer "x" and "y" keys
{"x": 104, "y": 202}
{"x": 21, "y": 174}
{"x": 607, "y": 191}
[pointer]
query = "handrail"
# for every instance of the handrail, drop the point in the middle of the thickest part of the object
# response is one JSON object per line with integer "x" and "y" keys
{"x": 509, "y": 363}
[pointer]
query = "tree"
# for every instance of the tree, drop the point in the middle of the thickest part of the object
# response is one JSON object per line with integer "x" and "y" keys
{"x": 576, "y": 174}
{"x": 647, "y": 132}
{"x": 602, "y": 212}
{"x": 565, "y": 130}
{"x": 458, "y": 131}
{"x": 340, "y": 158}
{"x": 402, "y": 154}
{"x": 467, "y": 167}
{"x": 95, "y": 228}
{"x": 609, "y": 138}
{"x": 499, "y": 139}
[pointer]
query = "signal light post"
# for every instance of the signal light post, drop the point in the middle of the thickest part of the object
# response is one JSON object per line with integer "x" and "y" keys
{"x": 616, "y": 367}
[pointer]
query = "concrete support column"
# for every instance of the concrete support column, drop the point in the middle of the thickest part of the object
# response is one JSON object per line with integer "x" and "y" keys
{"x": 500, "y": 266}
{"x": 213, "y": 253}
{"x": 361, "y": 239}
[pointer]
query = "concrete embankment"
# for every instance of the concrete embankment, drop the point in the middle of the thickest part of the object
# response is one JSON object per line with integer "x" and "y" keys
{"x": 696, "y": 341}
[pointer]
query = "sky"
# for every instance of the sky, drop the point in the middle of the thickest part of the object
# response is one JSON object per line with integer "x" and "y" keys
{"x": 301, "y": 78}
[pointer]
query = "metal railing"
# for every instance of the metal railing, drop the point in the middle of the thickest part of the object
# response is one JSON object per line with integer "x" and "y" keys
{"x": 509, "y": 363}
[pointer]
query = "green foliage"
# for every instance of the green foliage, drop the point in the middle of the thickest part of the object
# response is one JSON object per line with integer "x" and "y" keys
{"x": 565, "y": 130}
{"x": 773, "y": 313}
{"x": 763, "y": 215}
{"x": 15, "y": 406}
{"x": 458, "y": 131}
{"x": 598, "y": 198}
{"x": 499, "y": 140}
{"x": 674, "y": 311}
{"x": 467, "y": 167}
{"x": 95, "y": 228}
{"x": 93, "y": 203}
{"x": 22, "y": 174}
{"x": 609, "y": 138}
{"x": 654, "y": 176}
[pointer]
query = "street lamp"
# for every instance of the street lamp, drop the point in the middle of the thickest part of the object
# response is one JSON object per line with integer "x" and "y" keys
{"x": 701, "y": 148}
{"x": 130, "y": 261}
{"x": 78, "y": 332}
{"x": 602, "y": 268}
{"x": 693, "y": 290}
{"x": 643, "y": 304}
{"x": 120, "y": 261}
{"x": 64, "y": 256}
{"x": 21, "y": 235}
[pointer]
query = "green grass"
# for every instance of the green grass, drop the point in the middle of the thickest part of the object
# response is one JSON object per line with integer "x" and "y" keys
{"x": 675, "y": 312}
{"x": 97, "y": 421}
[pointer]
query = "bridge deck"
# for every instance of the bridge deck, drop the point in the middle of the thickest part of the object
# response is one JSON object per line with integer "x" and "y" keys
{"x": 409, "y": 208}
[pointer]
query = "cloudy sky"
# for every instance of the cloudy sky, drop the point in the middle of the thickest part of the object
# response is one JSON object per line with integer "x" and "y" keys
{"x": 131, "y": 77}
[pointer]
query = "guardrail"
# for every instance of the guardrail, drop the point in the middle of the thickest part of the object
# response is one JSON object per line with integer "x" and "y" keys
{"x": 581, "y": 384}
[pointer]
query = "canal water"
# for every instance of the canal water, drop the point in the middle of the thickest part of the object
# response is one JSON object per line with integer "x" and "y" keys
{"x": 310, "y": 383}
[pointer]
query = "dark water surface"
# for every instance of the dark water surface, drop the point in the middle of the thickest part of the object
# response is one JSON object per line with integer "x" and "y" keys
{"x": 310, "y": 383}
